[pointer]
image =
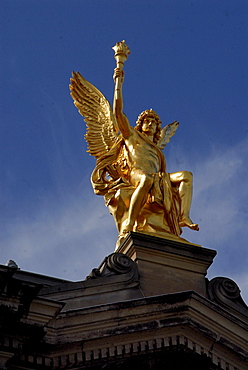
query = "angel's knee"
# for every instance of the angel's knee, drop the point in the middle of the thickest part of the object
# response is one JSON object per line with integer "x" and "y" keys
{"x": 187, "y": 176}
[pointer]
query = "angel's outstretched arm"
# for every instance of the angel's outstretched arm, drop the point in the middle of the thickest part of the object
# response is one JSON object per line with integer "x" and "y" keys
{"x": 122, "y": 120}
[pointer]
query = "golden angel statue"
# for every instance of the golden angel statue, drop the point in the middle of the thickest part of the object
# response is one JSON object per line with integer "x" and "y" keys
{"x": 130, "y": 170}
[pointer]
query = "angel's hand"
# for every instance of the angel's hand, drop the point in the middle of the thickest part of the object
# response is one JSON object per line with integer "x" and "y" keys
{"x": 118, "y": 73}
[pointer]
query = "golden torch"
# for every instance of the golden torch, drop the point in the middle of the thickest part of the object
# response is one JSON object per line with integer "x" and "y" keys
{"x": 121, "y": 53}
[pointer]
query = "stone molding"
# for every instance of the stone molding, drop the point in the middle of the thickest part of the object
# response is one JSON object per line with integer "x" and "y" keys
{"x": 85, "y": 359}
{"x": 116, "y": 279}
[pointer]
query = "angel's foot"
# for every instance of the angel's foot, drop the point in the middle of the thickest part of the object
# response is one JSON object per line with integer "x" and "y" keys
{"x": 186, "y": 221}
{"x": 127, "y": 226}
{"x": 120, "y": 240}
{"x": 126, "y": 230}
{"x": 121, "y": 237}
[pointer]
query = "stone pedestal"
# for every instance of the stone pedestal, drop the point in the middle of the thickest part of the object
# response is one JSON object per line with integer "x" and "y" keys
{"x": 168, "y": 266}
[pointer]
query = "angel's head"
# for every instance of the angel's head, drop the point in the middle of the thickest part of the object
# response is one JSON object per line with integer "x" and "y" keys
{"x": 144, "y": 117}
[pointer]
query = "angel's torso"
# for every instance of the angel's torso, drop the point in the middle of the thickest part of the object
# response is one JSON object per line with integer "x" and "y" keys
{"x": 142, "y": 154}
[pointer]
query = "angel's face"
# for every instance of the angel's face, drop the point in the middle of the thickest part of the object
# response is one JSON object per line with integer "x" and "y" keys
{"x": 149, "y": 125}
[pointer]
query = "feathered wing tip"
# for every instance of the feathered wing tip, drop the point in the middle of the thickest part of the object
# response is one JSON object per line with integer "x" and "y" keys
{"x": 166, "y": 134}
{"x": 102, "y": 128}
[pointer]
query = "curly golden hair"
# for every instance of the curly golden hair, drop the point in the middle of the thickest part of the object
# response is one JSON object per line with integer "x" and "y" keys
{"x": 140, "y": 120}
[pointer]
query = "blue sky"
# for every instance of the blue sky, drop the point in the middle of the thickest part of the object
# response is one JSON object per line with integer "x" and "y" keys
{"x": 188, "y": 62}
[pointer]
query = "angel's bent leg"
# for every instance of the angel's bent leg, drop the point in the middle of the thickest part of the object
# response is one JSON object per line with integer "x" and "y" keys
{"x": 184, "y": 181}
{"x": 143, "y": 183}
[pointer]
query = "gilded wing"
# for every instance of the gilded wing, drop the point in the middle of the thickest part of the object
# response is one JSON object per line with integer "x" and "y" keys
{"x": 102, "y": 129}
{"x": 166, "y": 134}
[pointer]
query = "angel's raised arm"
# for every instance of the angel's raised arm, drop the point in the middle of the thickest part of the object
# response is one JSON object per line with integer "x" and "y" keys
{"x": 122, "y": 121}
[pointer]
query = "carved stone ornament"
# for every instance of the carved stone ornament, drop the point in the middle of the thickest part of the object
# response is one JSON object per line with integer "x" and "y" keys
{"x": 114, "y": 264}
{"x": 226, "y": 292}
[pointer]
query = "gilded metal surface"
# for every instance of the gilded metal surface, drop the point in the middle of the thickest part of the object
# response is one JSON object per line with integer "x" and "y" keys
{"x": 131, "y": 169}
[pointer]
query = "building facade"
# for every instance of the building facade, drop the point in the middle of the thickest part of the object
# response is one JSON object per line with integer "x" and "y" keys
{"x": 148, "y": 305}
